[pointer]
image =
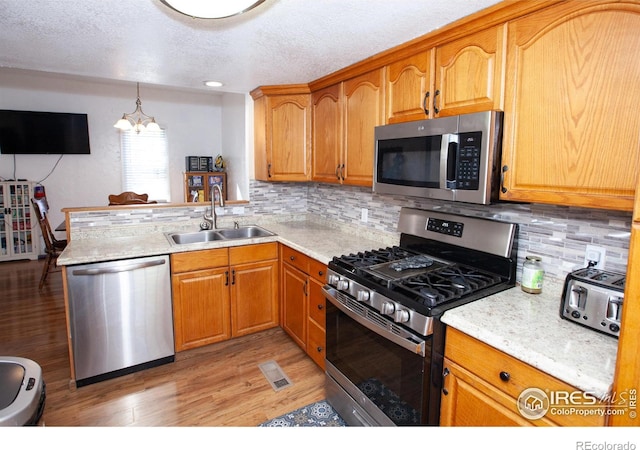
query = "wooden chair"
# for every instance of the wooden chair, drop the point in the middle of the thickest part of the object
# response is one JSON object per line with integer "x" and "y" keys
{"x": 53, "y": 246}
{"x": 129, "y": 198}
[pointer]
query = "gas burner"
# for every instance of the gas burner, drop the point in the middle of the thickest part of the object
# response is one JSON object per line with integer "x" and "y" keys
{"x": 373, "y": 257}
{"x": 445, "y": 284}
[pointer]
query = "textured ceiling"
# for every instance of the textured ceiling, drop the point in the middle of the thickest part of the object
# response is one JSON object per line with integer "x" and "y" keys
{"x": 280, "y": 41}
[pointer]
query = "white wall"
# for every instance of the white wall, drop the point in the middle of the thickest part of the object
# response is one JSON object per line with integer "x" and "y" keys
{"x": 196, "y": 124}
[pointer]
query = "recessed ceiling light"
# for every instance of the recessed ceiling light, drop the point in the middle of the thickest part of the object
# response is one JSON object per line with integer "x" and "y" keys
{"x": 211, "y": 9}
{"x": 212, "y": 83}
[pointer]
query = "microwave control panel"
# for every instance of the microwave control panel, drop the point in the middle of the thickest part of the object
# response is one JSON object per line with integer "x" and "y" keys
{"x": 468, "y": 161}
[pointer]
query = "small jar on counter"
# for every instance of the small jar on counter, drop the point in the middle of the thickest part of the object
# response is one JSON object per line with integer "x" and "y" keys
{"x": 532, "y": 275}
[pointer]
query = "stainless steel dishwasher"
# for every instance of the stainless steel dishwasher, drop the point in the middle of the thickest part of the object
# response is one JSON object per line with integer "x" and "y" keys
{"x": 121, "y": 317}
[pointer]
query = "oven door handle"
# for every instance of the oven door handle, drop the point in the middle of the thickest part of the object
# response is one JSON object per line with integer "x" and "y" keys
{"x": 415, "y": 345}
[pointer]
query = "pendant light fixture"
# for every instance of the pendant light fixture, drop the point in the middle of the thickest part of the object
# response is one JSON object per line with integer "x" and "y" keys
{"x": 199, "y": 9}
{"x": 137, "y": 120}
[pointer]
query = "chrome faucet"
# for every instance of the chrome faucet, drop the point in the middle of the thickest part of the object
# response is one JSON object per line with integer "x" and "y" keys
{"x": 212, "y": 219}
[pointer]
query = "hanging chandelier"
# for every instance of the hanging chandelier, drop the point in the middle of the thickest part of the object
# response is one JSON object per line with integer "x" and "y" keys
{"x": 137, "y": 120}
{"x": 199, "y": 9}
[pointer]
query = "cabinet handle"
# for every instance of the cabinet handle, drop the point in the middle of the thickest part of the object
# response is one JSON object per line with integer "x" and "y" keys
{"x": 304, "y": 288}
{"x": 268, "y": 170}
{"x": 424, "y": 103}
{"x": 435, "y": 108}
{"x": 233, "y": 277}
{"x": 504, "y": 376}
{"x": 342, "y": 172}
{"x": 226, "y": 273}
{"x": 504, "y": 170}
{"x": 338, "y": 172}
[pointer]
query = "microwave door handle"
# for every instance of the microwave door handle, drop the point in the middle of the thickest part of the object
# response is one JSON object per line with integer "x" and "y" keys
{"x": 448, "y": 161}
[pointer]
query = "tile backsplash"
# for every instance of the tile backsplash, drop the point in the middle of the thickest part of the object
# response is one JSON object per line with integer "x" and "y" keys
{"x": 558, "y": 234}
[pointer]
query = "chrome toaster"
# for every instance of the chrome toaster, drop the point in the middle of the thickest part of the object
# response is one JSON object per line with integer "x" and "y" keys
{"x": 593, "y": 298}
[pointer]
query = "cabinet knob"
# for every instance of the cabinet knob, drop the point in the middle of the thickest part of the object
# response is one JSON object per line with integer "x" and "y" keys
{"x": 320, "y": 307}
{"x": 321, "y": 273}
{"x": 504, "y": 376}
{"x": 319, "y": 349}
{"x": 292, "y": 258}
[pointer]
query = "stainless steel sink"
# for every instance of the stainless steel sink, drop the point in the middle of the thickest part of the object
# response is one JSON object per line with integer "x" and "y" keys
{"x": 245, "y": 232}
{"x": 251, "y": 231}
{"x": 195, "y": 237}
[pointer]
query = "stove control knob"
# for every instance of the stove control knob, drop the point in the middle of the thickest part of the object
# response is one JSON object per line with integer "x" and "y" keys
{"x": 401, "y": 316}
{"x": 333, "y": 279}
{"x": 387, "y": 308}
{"x": 343, "y": 285}
{"x": 363, "y": 296}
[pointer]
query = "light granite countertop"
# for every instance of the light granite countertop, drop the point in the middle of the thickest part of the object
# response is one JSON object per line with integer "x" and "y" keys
{"x": 529, "y": 328}
{"x": 319, "y": 240}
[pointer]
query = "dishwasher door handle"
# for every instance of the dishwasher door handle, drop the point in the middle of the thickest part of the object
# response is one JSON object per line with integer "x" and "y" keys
{"x": 120, "y": 268}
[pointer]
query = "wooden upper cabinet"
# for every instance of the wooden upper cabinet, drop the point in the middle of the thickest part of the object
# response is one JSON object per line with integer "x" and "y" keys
{"x": 363, "y": 111}
{"x": 571, "y": 122}
{"x": 327, "y": 134}
{"x": 282, "y": 127}
{"x": 469, "y": 74}
{"x": 409, "y": 83}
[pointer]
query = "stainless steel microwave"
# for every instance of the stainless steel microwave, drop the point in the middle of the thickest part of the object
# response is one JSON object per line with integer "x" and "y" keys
{"x": 453, "y": 158}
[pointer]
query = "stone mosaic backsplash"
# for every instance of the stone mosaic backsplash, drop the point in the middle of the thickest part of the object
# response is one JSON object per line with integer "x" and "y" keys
{"x": 558, "y": 234}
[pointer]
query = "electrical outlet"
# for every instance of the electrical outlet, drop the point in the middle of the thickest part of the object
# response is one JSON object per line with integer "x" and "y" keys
{"x": 595, "y": 254}
{"x": 364, "y": 215}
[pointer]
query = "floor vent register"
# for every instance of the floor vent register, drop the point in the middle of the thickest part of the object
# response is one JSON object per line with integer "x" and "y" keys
{"x": 275, "y": 375}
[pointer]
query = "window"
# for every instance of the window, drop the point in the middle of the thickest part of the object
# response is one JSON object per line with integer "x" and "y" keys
{"x": 145, "y": 164}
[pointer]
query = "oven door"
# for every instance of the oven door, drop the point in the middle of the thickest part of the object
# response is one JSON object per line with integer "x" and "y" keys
{"x": 375, "y": 376}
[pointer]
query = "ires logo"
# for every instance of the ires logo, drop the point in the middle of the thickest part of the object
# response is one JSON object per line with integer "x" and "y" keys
{"x": 535, "y": 403}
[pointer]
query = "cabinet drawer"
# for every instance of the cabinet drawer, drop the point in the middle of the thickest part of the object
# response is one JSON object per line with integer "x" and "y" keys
{"x": 253, "y": 253}
{"x": 296, "y": 259}
{"x": 199, "y": 259}
{"x": 508, "y": 374}
{"x": 316, "y": 344}
{"x": 318, "y": 271}
{"x": 317, "y": 303}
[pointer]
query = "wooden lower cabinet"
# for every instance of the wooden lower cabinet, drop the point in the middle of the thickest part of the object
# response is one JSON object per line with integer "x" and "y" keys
{"x": 200, "y": 308}
{"x": 482, "y": 386}
{"x": 303, "y": 303}
{"x": 294, "y": 304}
{"x": 223, "y": 293}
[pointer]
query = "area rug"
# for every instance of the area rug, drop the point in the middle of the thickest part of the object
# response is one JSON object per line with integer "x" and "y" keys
{"x": 318, "y": 414}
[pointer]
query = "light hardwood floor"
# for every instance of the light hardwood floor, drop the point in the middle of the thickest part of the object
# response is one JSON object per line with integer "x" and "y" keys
{"x": 217, "y": 385}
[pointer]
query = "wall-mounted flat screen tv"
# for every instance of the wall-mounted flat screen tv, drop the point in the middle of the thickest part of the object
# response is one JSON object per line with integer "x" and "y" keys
{"x": 43, "y": 133}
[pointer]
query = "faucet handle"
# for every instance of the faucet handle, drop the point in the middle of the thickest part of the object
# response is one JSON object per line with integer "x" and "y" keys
{"x": 204, "y": 226}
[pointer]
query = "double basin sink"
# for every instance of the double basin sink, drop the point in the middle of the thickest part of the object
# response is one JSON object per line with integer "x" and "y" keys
{"x": 224, "y": 234}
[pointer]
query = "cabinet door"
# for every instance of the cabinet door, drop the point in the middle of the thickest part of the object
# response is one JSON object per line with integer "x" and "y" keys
{"x": 294, "y": 304}
{"x": 364, "y": 110}
{"x": 254, "y": 297}
{"x": 327, "y": 134}
{"x": 288, "y": 138}
{"x": 571, "y": 130}
{"x": 470, "y": 74}
{"x": 409, "y": 88}
{"x": 201, "y": 308}
{"x": 18, "y": 222}
{"x": 467, "y": 401}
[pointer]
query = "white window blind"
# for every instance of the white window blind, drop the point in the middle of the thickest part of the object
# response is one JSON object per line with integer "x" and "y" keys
{"x": 145, "y": 164}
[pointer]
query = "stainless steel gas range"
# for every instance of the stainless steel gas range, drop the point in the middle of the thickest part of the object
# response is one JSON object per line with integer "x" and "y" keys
{"x": 385, "y": 340}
